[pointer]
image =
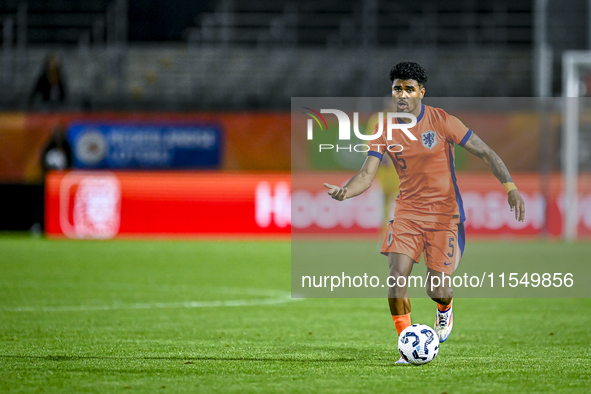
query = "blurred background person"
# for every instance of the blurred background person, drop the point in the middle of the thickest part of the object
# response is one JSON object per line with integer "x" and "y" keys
{"x": 50, "y": 84}
{"x": 56, "y": 156}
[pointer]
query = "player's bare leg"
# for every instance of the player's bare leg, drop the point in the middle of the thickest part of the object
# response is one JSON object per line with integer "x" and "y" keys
{"x": 400, "y": 266}
{"x": 440, "y": 291}
{"x": 439, "y": 287}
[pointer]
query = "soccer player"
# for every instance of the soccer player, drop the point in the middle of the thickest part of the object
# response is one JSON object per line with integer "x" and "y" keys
{"x": 429, "y": 214}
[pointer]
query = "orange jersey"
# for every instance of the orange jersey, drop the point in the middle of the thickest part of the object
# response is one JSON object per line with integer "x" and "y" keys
{"x": 428, "y": 187}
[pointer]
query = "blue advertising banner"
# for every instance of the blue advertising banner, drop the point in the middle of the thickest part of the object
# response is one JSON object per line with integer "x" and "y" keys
{"x": 133, "y": 146}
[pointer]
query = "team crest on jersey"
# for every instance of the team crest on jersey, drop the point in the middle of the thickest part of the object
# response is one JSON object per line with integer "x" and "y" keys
{"x": 389, "y": 238}
{"x": 429, "y": 139}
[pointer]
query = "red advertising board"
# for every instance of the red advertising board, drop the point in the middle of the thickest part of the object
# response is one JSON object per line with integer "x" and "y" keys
{"x": 487, "y": 212}
{"x": 81, "y": 204}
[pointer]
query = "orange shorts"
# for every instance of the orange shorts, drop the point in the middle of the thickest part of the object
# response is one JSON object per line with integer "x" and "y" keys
{"x": 443, "y": 243}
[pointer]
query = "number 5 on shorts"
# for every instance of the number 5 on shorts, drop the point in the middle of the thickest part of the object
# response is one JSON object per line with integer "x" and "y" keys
{"x": 451, "y": 245}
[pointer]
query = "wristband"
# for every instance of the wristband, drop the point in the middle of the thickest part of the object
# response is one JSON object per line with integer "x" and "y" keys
{"x": 509, "y": 186}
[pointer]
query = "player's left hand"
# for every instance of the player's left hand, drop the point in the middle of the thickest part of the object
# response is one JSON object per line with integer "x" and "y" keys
{"x": 516, "y": 203}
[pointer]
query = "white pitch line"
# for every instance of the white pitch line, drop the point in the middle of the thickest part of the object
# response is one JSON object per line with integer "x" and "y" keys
{"x": 286, "y": 297}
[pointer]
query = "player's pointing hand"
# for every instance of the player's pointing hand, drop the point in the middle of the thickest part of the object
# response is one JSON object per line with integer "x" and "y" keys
{"x": 516, "y": 203}
{"x": 336, "y": 192}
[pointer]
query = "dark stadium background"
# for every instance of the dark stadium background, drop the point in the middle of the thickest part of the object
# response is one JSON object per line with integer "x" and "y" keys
{"x": 161, "y": 257}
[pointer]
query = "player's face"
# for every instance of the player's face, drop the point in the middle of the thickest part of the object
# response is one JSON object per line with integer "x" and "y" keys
{"x": 407, "y": 94}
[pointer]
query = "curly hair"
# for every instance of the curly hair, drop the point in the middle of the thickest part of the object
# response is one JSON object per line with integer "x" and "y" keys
{"x": 408, "y": 70}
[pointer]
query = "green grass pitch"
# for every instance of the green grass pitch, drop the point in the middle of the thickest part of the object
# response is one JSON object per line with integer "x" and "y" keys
{"x": 196, "y": 316}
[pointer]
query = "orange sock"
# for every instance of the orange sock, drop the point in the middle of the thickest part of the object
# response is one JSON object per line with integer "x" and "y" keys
{"x": 401, "y": 322}
{"x": 443, "y": 308}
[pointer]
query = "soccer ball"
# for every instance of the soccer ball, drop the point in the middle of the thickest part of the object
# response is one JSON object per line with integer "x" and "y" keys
{"x": 418, "y": 344}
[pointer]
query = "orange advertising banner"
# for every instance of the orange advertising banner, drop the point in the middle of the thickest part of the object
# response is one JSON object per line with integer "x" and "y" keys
{"x": 252, "y": 141}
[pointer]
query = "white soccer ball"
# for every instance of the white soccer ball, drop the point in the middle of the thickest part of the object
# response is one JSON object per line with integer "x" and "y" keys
{"x": 418, "y": 344}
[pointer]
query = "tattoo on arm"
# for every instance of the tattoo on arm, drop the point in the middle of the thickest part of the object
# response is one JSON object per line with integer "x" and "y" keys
{"x": 479, "y": 148}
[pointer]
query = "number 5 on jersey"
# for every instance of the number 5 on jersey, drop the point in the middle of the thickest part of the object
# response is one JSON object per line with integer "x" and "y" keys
{"x": 400, "y": 160}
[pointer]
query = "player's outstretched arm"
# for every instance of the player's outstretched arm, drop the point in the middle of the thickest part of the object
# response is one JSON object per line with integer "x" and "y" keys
{"x": 479, "y": 148}
{"x": 359, "y": 183}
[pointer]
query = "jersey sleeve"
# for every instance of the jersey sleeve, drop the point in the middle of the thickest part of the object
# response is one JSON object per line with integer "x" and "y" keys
{"x": 456, "y": 131}
{"x": 377, "y": 147}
